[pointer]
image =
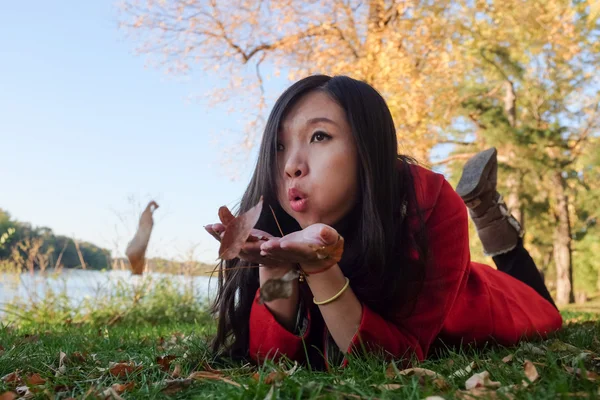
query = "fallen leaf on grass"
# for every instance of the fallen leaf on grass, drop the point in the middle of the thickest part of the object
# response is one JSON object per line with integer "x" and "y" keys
{"x": 120, "y": 388}
{"x": 388, "y": 386}
{"x": 464, "y": 371}
{"x": 533, "y": 349}
{"x": 8, "y": 396}
{"x": 278, "y": 288}
{"x": 589, "y": 375}
{"x": 201, "y": 375}
{"x": 136, "y": 249}
{"x": 13, "y": 377}
{"x": 558, "y": 346}
{"x": 110, "y": 393}
{"x": 62, "y": 368}
{"x": 176, "y": 371}
{"x": 35, "y": 379}
{"x": 238, "y": 230}
{"x": 165, "y": 362}
{"x": 508, "y": 358}
{"x": 481, "y": 380}
{"x": 438, "y": 380}
{"x": 531, "y": 373}
{"x": 122, "y": 369}
{"x": 24, "y": 392}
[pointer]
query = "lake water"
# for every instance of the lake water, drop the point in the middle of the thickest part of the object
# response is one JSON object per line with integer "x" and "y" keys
{"x": 79, "y": 284}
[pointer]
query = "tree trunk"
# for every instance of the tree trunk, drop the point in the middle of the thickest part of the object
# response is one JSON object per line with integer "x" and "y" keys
{"x": 513, "y": 202}
{"x": 562, "y": 243}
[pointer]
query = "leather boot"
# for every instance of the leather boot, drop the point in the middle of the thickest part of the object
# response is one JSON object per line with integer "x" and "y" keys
{"x": 498, "y": 230}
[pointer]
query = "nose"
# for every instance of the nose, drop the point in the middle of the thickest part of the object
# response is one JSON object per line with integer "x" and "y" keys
{"x": 295, "y": 167}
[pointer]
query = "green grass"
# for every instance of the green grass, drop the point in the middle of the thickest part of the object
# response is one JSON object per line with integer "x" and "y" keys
{"x": 35, "y": 349}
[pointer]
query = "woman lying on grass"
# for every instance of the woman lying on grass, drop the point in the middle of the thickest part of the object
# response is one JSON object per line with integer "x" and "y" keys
{"x": 329, "y": 167}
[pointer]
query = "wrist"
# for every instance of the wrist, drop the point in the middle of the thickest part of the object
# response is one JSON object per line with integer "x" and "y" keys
{"x": 273, "y": 271}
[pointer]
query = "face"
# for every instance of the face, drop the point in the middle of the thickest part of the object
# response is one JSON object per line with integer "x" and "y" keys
{"x": 317, "y": 179}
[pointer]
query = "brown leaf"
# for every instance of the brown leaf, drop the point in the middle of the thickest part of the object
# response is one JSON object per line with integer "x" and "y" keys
{"x": 481, "y": 380}
{"x": 165, "y": 362}
{"x": 77, "y": 356}
{"x": 333, "y": 251}
{"x": 425, "y": 374}
{"x": 136, "y": 249}
{"x": 175, "y": 385}
{"x": 508, "y": 358}
{"x": 35, "y": 379}
{"x": 123, "y": 369}
{"x": 8, "y": 396}
{"x": 120, "y": 388}
{"x": 275, "y": 376}
{"x": 278, "y": 288}
{"x": 110, "y": 393}
{"x": 225, "y": 216}
{"x": 176, "y": 371}
{"x": 388, "y": 386}
{"x": 237, "y": 232}
{"x": 13, "y": 377}
{"x": 391, "y": 371}
{"x": 201, "y": 375}
{"x": 531, "y": 373}
{"x": 589, "y": 375}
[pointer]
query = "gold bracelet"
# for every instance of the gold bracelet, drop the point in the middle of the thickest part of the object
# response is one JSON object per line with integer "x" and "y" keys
{"x": 320, "y": 303}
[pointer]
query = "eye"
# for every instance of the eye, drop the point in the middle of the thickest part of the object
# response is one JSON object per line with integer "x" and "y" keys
{"x": 319, "y": 136}
{"x": 280, "y": 147}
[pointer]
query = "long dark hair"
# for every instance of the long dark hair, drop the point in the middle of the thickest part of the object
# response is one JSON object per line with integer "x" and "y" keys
{"x": 383, "y": 257}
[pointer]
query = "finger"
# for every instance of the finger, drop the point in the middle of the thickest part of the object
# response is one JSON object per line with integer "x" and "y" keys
{"x": 212, "y": 232}
{"x": 270, "y": 244}
{"x": 329, "y": 235}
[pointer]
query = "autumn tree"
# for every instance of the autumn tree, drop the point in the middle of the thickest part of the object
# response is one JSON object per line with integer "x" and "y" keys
{"x": 516, "y": 74}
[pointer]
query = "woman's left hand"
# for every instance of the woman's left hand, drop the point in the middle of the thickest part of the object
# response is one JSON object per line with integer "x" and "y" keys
{"x": 316, "y": 247}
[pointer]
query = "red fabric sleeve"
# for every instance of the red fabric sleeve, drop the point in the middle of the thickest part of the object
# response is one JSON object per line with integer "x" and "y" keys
{"x": 268, "y": 339}
{"x": 447, "y": 230}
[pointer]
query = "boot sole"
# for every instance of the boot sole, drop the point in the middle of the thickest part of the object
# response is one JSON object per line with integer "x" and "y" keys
{"x": 473, "y": 170}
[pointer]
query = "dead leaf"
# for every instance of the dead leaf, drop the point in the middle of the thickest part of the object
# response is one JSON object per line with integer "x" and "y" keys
{"x": 388, "y": 386}
{"x": 508, "y": 358}
{"x": 478, "y": 393}
{"x": 8, "y": 396}
{"x": 531, "y": 373}
{"x": 225, "y": 216}
{"x": 175, "y": 385}
{"x": 62, "y": 368}
{"x": 201, "y": 375}
{"x": 589, "y": 375}
{"x": 165, "y": 362}
{"x": 77, "y": 356}
{"x": 123, "y": 369}
{"x": 558, "y": 346}
{"x": 120, "y": 388}
{"x": 533, "y": 349}
{"x": 176, "y": 371}
{"x": 270, "y": 394}
{"x": 110, "y": 393}
{"x": 35, "y": 379}
{"x": 392, "y": 371}
{"x": 481, "y": 380}
{"x": 278, "y": 288}
{"x": 275, "y": 376}
{"x": 464, "y": 371}
{"x": 424, "y": 374}
{"x": 24, "y": 392}
{"x": 13, "y": 377}
{"x": 136, "y": 249}
{"x": 238, "y": 230}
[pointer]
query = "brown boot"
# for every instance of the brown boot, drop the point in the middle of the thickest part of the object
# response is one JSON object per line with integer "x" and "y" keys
{"x": 498, "y": 230}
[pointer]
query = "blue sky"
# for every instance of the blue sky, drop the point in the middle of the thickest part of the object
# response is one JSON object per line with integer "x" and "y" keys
{"x": 87, "y": 133}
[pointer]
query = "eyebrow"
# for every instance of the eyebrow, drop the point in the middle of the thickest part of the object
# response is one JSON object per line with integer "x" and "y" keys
{"x": 321, "y": 119}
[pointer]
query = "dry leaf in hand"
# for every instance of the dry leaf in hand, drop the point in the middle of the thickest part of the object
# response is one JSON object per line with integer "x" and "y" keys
{"x": 123, "y": 369}
{"x": 531, "y": 373}
{"x": 225, "y": 216}
{"x": 136, "y": 249}
{"x": 238, "y": 230}
{"x": 8, "y": 396}
{"x": 481, "y": 380}
{"x": 278, "y": 288}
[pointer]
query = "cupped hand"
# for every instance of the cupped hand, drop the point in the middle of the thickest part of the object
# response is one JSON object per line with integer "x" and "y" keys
{"x": 316, "y": 247}
{"x": 251, "y": 250}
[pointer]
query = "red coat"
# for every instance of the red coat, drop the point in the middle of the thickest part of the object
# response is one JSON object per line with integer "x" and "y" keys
{"x": 461, "y": 301}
